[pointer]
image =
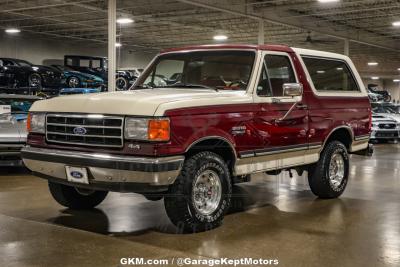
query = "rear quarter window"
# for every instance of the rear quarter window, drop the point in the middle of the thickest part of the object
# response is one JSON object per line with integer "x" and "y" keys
{"x": 330, "y": 75}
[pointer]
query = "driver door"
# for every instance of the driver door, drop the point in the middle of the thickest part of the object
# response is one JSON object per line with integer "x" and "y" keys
{"x": 281, "y": 122}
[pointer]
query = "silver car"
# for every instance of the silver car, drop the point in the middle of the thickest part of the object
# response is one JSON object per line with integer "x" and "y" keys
{"x": 13, "y": 116}
{"x": 384, "y": 128}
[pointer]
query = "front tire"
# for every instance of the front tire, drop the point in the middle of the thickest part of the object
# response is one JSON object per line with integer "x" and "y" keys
{"x": 121, "y": 83}
{"x": 35, "y": 80}
{"x": 74, "y": 198}
{"x": 201, "y": 195}
{"x": 329, "y": 176}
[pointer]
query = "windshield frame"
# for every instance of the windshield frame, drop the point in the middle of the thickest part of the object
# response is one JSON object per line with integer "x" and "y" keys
{"x": 147, "y": 71}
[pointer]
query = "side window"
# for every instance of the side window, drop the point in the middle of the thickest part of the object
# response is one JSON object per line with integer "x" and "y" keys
{"x": 277, "y": 70}
{"x": 330, "y": 75}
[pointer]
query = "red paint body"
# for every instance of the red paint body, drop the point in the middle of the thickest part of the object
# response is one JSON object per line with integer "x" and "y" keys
{"x": 303, "y": 126}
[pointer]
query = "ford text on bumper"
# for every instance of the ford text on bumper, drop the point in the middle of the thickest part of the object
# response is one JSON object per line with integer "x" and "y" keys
{"x": 105, "y": 172}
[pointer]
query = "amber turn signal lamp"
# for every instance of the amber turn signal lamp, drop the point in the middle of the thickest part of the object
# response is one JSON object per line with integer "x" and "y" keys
{"x": 159, "y": 130}
{"x": 28, "y": 122}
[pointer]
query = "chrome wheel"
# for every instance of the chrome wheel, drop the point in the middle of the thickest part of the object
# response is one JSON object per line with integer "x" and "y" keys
{"x": 336, "y": 170}
{"x": 73, "y": 82}
{"x": 35, "y": 80}
{"x": 207, "y": 192}
{"x": 121, "y": 83}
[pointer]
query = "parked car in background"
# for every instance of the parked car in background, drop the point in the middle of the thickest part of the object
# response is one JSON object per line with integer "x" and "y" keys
{"x": 15, "y": 73}
{"x": 13, "y": 127}
{"x": 237, "y": 110}
{"x": 96, "y": 66}
{"x": 387, "y": 109}
{"x": 76, "y": 79}
{"x": 377, "y": 95}
{"x": 78, "y": 91}
{"x": 125, "y": 77}
{"x": 384, "y": 128}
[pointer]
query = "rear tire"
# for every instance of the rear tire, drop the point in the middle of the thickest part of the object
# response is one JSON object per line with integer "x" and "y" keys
{"x": 328, "y": 177}
{"x": 75, "y": 198}
{"x": 201, "y": 195}
{"x": 73, "y": 82}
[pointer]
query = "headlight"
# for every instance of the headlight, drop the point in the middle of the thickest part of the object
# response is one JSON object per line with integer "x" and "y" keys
{"x": 147, "y": 129}
{"x": 36, "y": 122}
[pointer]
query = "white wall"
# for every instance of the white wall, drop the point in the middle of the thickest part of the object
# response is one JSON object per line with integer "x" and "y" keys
{"x": 44, "y": 51}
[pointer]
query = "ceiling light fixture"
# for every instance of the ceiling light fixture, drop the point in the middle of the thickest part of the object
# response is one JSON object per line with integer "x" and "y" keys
{"x": 124, "y": 20}
{"x": 328, "y": 1}
{"x": 375, "y": 78}
{"x": 118, "y": 44}
{"x": 396, "y": 80}
{"x": 396, "y": 23}
{"x": 372, "y": 63}
{"x": 12, "y": 30}
{"x": 220, "y": 37}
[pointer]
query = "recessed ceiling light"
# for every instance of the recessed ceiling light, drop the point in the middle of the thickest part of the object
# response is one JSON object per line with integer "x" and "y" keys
{"x": 220, "y": 37}
{"x": 328, "y": 1}
{"x": 372, "y": 63}
{"x": 339, "y": 68}
{"x": 320, "y": 71}
{"x": 124, "y": 20}
{"x": 375, "y": 78}
{"x": 396, "y": 23}
{"x": 396, "y": 80}
{"x": 398, "y": 69}
{"x": 12, "y": 30}
{"x": 118, "y": 44}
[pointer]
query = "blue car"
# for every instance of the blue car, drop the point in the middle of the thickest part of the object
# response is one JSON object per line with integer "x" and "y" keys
{"x": 77, "y": 91}
{"x": 76, "y": 79}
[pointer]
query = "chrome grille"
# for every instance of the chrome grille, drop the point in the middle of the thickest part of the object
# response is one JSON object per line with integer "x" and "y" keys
{"x": 387, "y": 125}
{"x": 85, "y": 130}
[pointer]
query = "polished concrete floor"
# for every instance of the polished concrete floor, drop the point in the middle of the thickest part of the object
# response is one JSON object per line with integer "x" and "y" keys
{"x": 272, "y": 217}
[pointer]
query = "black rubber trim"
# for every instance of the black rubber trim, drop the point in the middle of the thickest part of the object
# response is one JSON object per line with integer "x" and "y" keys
{"x": 117, "y": 165}
{"x": 109, "y": 186}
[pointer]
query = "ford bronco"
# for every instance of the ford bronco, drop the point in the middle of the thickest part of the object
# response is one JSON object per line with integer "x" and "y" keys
{"x": 235, "y": 110}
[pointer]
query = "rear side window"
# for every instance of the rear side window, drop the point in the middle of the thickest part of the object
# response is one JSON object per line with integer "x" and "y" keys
{"x": 330, "y": 75}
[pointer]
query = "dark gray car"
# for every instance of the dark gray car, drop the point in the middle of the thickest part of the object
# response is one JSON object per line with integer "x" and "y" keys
{"x": 14, "y": 111}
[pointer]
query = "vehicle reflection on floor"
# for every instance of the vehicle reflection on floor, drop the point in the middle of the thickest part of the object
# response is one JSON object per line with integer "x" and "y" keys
{"x": 271, "y": 217}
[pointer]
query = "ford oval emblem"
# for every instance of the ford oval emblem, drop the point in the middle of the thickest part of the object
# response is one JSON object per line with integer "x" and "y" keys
{"x": 76, "y": 175}
{"x": 80, "y": 131}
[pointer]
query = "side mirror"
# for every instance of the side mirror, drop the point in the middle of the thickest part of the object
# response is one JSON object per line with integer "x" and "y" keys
{"x": 292, "y": 89}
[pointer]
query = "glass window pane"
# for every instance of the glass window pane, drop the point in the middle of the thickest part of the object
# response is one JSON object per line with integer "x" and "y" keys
{"x": 330, "y": 75}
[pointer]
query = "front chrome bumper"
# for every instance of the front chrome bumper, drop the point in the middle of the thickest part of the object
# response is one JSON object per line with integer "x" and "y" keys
{"x": 105, "y": 171}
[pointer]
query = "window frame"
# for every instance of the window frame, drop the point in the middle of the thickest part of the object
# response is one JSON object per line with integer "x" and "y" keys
{"x": 360, "y": 93}
{"x": 275, "y": 99}
{"x": 337, "y": 60}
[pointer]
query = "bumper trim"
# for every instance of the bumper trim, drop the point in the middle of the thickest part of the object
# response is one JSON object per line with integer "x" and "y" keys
{"x": 139, "y": 164}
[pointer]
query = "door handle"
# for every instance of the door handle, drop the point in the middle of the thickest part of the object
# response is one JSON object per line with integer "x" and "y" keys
{"x": 301, "y": 106}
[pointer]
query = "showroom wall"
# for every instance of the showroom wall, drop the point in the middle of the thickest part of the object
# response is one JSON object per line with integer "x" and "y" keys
{"x": 44, "y": 51}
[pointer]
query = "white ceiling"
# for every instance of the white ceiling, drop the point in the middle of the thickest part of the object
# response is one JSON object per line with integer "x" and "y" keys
{"x": 170, "y": 23}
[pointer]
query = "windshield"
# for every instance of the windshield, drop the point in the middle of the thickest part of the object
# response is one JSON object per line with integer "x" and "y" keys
{"x": 23, "y": 63}
{"x": 225, "y": 70}
{"x": 385, "y": 109}
{"x": 18, "y": 106}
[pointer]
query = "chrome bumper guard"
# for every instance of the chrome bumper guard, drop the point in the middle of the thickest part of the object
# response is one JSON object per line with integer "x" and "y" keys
{"x": 105, "y": 171}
